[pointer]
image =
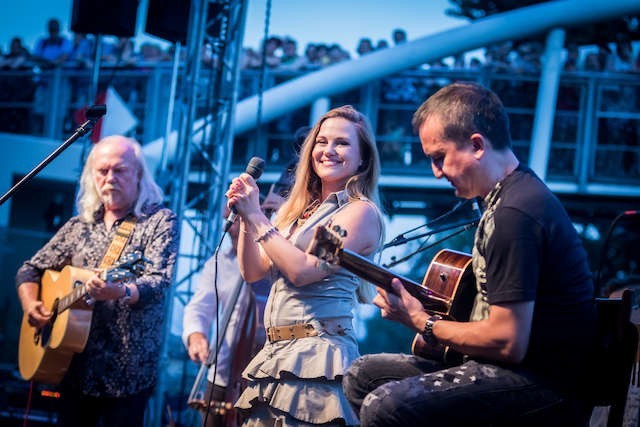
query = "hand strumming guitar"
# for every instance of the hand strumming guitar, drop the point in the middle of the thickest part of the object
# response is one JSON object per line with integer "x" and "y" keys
{"x": 401, "y": 306}
{"x": 38, "y": 314}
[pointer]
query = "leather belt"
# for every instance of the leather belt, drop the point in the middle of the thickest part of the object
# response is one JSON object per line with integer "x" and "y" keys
{"x": 290, "y": 332}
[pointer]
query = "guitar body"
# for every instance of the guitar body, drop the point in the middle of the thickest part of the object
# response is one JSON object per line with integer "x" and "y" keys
{"x": 44, "y": 355}
{"x": 450, "y": 274}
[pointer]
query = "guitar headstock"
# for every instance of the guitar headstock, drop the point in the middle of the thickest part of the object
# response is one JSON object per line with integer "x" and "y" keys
{"x": 130, "y": 266}
{"x": 327, "y": 243}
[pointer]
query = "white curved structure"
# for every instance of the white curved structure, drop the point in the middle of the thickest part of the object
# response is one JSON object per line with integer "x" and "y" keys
{"x": 511, "y": 25}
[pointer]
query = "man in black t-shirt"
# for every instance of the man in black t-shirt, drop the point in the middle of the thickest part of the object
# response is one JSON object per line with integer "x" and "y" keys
{"x": 533, "y": 320}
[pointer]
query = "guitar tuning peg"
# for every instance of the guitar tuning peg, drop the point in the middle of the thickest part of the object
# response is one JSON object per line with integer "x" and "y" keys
{"x": 342, "y": 233}
{"x": 138, "y": 269}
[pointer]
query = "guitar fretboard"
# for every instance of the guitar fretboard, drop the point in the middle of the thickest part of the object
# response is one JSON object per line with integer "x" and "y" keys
{"x": 72, "y": 297}
{"x": 114, "y": 274}
{"x": 381, "y": 277}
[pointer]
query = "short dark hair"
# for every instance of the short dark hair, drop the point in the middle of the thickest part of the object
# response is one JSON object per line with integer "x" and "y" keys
{"x": 466, "y": 108}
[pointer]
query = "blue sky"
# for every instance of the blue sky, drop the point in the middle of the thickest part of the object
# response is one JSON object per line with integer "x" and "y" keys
{"x": 329, "y": 21}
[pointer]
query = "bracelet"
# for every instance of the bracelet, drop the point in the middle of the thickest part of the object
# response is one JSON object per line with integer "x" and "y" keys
{"x": 265, "y": 235}
{"x": 427, "y": 331}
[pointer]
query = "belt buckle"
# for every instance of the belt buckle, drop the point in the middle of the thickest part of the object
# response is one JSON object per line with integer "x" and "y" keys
{"x": 271, "y": 334}
{"x": 309, "y": 329}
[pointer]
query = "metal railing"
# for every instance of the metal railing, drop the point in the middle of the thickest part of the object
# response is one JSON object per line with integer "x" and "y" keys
{"x": 595, "y": 142}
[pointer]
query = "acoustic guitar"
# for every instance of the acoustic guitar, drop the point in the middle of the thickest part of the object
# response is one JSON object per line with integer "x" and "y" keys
{"x": 448, "y": 288}
{"x": 45, "y": 353}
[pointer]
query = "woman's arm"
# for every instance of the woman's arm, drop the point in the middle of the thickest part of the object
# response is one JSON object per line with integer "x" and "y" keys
{"x": 360, "y": 220}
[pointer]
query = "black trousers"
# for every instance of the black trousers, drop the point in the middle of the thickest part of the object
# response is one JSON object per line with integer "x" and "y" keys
{"x": 404, "y": 390}
{"x": 214, "y": 418}
{"x": 80, "y": 410}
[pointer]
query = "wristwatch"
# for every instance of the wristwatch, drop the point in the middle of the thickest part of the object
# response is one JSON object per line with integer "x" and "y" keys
{"x": 127, "y": 294}
{"x": 427, "y": 331}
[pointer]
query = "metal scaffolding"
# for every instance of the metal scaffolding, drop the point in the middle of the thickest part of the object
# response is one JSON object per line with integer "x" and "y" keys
{"x": 198, "y": 171}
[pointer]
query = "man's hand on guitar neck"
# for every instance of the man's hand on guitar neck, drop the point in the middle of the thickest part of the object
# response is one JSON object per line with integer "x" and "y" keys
{"x": 104, "y": 290}
{"x": 401, "y": 306}
{"x": 33, "y": 308}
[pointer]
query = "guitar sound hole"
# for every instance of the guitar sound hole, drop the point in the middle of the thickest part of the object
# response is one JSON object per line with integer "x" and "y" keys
{"x": 443, "y": 277}
{"x": 45, "y": 334}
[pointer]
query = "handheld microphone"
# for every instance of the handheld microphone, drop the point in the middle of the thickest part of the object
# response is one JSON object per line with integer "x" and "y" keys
{"x": 255, "y": 167}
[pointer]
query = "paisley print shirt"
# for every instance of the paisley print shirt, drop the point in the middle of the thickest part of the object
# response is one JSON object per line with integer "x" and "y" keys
{"x": 121, "y": 355}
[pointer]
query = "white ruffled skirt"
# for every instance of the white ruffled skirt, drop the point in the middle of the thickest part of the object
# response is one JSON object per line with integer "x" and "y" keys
{"x": 299, "y": 383}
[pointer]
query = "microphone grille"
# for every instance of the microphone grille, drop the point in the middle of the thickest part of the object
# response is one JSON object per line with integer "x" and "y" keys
{"x": 255, "y": 167}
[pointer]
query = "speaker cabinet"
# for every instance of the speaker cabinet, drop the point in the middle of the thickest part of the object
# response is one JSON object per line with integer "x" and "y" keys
{"x": 168, "y": 19}
{"x": 109, "y": 17}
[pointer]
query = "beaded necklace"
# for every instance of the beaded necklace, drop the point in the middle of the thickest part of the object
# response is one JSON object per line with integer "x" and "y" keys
{"x": 308, "y": 211}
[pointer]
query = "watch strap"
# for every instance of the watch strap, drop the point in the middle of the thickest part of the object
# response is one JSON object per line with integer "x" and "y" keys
{"x": 427, "y": 331}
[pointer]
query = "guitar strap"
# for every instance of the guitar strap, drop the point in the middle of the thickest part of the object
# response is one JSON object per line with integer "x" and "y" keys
{"x": 119, "y": 241}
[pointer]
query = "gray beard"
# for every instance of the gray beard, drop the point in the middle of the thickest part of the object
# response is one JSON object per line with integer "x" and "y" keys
{"x": 107, "y": 199}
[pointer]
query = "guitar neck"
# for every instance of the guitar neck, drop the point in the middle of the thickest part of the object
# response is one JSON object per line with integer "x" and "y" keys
{"x": 72, "y": 297}
{"x": 80, "y": 291}
{"x": 381, "y": 277}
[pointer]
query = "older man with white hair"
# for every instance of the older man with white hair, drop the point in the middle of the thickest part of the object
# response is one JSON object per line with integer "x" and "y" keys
{"x": 110, "y": 382}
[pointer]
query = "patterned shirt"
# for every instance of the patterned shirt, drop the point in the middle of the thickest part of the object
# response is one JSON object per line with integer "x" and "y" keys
{"x": 121, "y": 355}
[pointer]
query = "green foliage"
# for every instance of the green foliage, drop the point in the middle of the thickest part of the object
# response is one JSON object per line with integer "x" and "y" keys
{"x": 619, "y": 29}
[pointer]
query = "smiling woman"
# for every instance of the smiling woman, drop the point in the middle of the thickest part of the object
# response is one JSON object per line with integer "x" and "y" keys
{"x": 297, "y": 377}
{"x": 336, "y": 154}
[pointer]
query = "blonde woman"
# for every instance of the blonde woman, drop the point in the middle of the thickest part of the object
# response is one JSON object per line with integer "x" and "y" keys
{"x": 297, "y": 377}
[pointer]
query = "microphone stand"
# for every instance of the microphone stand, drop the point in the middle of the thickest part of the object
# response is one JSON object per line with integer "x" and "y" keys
{"x": 402, "y": 240}
{"x": 93, "y": 114}
{"x": 464, "y": 227}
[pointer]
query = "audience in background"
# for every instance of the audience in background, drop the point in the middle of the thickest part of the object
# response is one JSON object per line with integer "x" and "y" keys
{"x": 399, "y": 36}
{"x": 365, "y": 46}
{"x": 572, "y": 61}
{"x": 284, "y": 53}
{"x": 623, "y": 58}
{"x": 290, "y": 60}
{"x": 382, "y": 44}
{"x": 119, "y": 53}
{"x": 281, "y": 53}
{"x": 81, "y": 53}
{"x": 53, "y": 49}
{"x": 17, "y": 57}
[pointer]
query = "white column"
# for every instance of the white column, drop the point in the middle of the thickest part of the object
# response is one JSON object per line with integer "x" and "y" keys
{"x": 546, "y": 103}
{"x": 318, "y": 108}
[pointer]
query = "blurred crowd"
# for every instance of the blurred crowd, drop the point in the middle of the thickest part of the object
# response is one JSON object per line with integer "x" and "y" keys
{"x": 283, "y": 53}
{"x": 56, "y": 49}
{"x": 514, "y": 64}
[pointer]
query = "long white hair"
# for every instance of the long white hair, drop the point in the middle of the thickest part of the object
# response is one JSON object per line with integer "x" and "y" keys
{"x": 88, "y": 201}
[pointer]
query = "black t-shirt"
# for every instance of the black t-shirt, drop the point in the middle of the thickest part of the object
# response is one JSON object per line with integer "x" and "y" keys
{"x": 533, "y": 253}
